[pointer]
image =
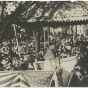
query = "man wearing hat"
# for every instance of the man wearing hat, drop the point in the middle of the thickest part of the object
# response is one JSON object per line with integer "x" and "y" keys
{"x": 77, "y": 77}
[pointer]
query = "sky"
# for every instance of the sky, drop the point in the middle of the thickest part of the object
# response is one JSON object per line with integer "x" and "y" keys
{"x": 11, "y": 7}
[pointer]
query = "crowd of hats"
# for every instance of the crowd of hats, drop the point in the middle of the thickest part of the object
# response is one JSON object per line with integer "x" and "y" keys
{"x": 62, "y": 47}
{"x": 68, "y": 47}
{"x": 27, "y": 55}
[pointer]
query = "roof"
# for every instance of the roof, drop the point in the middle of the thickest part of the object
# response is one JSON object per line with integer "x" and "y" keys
{"x": 52, "y": 11}
{"x": 59, "y": 19}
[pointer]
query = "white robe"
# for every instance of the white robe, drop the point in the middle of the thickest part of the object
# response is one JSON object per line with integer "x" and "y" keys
{"x": 50, "y": 65}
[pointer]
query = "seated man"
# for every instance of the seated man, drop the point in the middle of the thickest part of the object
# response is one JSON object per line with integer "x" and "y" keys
{"x": 77, "y": 78}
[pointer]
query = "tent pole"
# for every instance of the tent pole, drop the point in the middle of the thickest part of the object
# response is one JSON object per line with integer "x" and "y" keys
{"x": 36, "y": 34}
{"x": 16, "y": 38}
{"x": 44, "y": 38}
{"x": 10, "y": 41}
{"x": 76, "y": 30}
{"x": 35, "y": 66}
{"x": 55, "y": 79}
{"x": 72, "y": 33}
{"x": 48, "y": 35}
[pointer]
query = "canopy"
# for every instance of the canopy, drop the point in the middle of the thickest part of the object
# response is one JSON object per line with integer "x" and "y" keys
{"x": 44, "y": 11}
{"x": 44, "y": 14}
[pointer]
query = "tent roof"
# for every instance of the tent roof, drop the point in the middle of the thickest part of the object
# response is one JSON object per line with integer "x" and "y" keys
{"x": 49, "y": 54}
{"x": 45, "y": 12}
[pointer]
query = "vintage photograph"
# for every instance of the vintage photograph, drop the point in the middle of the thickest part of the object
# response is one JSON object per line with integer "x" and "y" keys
{"x": 43, "y": 44}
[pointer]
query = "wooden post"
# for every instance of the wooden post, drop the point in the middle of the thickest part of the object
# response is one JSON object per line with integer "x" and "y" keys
{"x": 48, "y": 35}
{"x": 72, "y": 33}
{"x": 69, "y": 29}
{"x": 16, "y": 39}
{"x": 10, "y": 46}
{"x": 52, "y": 28}
{"x": 84, "y": 31}
{"x": 44, "y": 38}
{"x": 76, "y": 30}
{"x": 36, "y": 34}
{"x": 65, "y": 30}
{"x": 35, "y": 66}
{"x": 55, "y": 79}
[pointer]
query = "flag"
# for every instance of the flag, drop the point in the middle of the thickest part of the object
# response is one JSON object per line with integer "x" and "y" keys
{"x": 67, "y": 65}
{"x": 38, "y": 78}
{"x": 12, "y": 79}
{"x": 7, "y": 78}
{"x": 26, "y": 78}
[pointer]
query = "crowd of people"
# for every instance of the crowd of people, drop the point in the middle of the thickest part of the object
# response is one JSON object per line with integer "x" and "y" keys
{"x": 19, "y": 56}
{"x": 22, "y": 56}
{"x": 68, "y": 46}
{"x": 24, "y": 59}
{"x": 78, "y": 47}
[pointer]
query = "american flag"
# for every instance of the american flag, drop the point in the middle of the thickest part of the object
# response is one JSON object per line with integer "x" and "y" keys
{"x": 26, "y": 78}
{"x": 12, "y": 79}
{"x": 38, "y": 78}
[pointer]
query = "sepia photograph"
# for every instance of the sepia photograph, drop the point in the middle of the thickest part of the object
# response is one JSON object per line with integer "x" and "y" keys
{"x": 43, "y": 44}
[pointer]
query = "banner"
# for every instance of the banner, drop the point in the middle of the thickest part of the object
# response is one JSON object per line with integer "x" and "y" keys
{"x": 38, "y": 78}
{"x": 67, "y": 64}
{"x": 12, "y": 79}
{"x": 26, "y": 78}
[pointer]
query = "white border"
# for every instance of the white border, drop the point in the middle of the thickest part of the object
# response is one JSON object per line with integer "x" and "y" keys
{"x": 44, "y": 0}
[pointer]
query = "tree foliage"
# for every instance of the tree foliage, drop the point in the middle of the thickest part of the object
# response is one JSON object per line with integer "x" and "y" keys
{"x": 29, "y": 11}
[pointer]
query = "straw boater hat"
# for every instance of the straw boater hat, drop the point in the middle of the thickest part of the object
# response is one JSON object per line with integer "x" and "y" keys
{"x": 49, "y": 55}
